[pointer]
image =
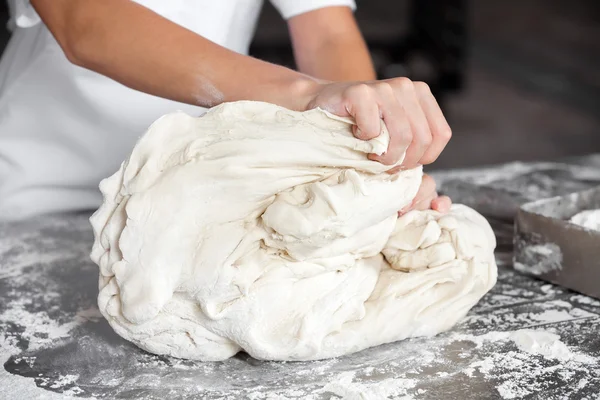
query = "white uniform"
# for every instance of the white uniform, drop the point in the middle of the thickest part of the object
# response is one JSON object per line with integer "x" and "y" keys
{"x": 64, "y": 128}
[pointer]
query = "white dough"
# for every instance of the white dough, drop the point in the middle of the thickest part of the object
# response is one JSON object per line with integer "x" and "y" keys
{"x": 589, "y": 219}
{"x": 261, "y": 229}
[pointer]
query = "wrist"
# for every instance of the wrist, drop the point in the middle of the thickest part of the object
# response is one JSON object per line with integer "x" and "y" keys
{"x": 302, "y": 92}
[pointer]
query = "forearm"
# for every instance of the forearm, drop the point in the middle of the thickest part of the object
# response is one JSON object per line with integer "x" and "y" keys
{"x": 339, "y": 60}
{"x": 328, "y": 45}
{"x": 144, "y": 51}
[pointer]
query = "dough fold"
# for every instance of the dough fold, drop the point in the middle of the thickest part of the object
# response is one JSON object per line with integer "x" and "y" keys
{"x": 259, "y": 229}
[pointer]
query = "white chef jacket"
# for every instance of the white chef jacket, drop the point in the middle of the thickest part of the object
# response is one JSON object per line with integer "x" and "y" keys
{"x": 64, "y": 128}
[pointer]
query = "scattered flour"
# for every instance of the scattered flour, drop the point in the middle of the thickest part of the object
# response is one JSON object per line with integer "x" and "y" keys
{"x": 40, "y": 330}
{"x": 64, "y": 381}
{"x": 484, "y": 176}
{"x": 540, "y": 259}
{"x": 547, "y": 345}
{"x": 514, "y": 368}
{"x": 511, "y": 390}
{"x": 550, "y": 288}
{"x": 540, "y": 342}
{"x": 552, "y": 316}
{"x": 347, "y": 388}
{"x": 582, "y": 383}
{"x": 581, "y": 299}
{"x": 589, "y": 219}
{"x": 18, "y": 387}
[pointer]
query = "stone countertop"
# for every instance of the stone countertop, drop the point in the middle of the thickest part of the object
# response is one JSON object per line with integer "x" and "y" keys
{"x": 525, "y": 339}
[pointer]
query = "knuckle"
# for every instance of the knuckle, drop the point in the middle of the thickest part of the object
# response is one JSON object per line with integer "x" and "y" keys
{"x": 406, "y": 136}
{"x": 426, "y": 139}
{"x": 422, "y": 87}
{"x": 428, "y": 159}
{"x": 359, "y": 90}
{"x": 446, "y": 133}
{"x": 404, "y": 83}
{"x": 385, "y": 88}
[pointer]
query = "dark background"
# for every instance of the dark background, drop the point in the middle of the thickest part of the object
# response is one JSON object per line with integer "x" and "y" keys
{"x": 518, "y": 80}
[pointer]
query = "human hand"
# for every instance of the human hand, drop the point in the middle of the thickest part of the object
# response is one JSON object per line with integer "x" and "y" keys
{"x": 411, "y": 114}
{"x": 427, "y": 198}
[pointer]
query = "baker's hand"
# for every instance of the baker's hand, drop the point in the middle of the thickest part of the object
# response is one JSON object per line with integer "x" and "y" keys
{"x": 427, "y": 198}
{"x": 412, "y": 115}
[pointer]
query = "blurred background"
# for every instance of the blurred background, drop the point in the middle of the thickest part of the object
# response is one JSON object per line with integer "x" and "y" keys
{"x": 518, "y": 80}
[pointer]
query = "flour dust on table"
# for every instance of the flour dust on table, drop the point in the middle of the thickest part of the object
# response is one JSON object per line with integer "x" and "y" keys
{"x": 259, "y": 229}
{"x": 589, "y": 219}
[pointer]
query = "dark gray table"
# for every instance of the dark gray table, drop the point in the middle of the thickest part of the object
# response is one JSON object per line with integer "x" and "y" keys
{"x": 54, "y": 343}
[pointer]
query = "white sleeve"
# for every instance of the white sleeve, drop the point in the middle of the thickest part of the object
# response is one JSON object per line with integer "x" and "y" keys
{"x": 291, "y": 8}
{"x": 22, "y": 14}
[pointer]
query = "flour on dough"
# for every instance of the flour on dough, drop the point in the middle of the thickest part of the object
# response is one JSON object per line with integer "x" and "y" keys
{"x": 589, "y": 219}
{"x": 254, "y": 228}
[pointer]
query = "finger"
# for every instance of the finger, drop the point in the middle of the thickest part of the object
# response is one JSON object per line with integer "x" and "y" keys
{"x": 424, "y": 203}
{"x": 399, "y": 141}
{"x": 441, "y": 204}
{"x": 396, "y": 122}
{"x": 426, "y": 193}
{"x": 394, "y": 170}
{"x": 362, "y": 106}
{"x": 439, "y": 128}
{"x": 424, "y": 196}
{"x": 421, "y": 135}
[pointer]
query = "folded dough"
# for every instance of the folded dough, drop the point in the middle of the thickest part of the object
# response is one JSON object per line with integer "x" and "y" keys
{"x": 261, "y": 229}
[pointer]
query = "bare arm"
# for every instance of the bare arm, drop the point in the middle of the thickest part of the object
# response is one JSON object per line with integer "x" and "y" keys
{"x": 328, "y": 45}
{"x": 144, "y": 51}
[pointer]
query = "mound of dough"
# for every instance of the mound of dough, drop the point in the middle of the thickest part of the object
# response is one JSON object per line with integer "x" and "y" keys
{"x": 254, "y": 228}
